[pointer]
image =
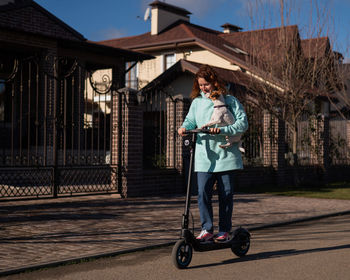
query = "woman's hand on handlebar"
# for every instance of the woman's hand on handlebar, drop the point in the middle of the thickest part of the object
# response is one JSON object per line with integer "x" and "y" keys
{"x": 214, "y": 130}
{"x": 181, "y": 131}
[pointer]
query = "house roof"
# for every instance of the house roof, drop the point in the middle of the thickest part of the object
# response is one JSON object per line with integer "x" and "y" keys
{"x": 241, "y": 48}
{"x": 183, "y": 66}
{"x": 24, "y": 15}
{"x": 266, "y": 43}
{"x": 27, "y": 18}
{"x": 263, "y": 43}
{"x": 315, "y": 47}
{"x": 106, "y": 55}
{"x": 183, "y": 32}
{"x": 250, "y": 50}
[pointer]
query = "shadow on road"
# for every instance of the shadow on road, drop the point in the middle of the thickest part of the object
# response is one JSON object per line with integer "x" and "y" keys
{"x": 273, "y": 254}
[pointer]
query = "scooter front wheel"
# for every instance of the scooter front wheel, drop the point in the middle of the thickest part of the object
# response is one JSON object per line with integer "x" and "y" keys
{"x": 182, "y": 254}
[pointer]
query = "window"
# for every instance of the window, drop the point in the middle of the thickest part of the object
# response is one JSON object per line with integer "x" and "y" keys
{"x": 131, "y": 78}
{"x": 169, "y": 60}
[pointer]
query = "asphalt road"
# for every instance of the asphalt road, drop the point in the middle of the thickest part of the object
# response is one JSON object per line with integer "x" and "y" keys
{"x": 311, "y": 250}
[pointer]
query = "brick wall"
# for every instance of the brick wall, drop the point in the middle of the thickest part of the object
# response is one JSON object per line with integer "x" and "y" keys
{"x": 254, "y": 177}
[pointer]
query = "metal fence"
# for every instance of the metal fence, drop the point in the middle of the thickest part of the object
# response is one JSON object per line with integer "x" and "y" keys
{"x": 252, "y": 140}
{"x": 159, "y": 152}
{"x": 155, "y": 131}
{"x": 310, "y": 142}
{"x": 55, "y": 128}
{"x": 339, "y": 146}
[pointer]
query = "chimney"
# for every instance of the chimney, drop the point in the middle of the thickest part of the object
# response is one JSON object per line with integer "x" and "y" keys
{"x": 164, "y": 14}
{"x": 230, "y": 28}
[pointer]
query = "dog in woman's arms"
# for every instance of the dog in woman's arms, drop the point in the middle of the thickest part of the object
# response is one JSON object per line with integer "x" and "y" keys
{"x": 222, "y": 117}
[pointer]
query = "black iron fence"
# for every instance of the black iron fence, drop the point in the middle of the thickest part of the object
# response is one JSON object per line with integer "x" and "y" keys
{"x": 311, "y": 142}
{"x": 252, "y": 140}
{"x": 55, "y": 127}
{"x": 339, "y": 144}
{"x": 155, "y": 131}
{"x": 161, "y": 145}
{"x": 161, "y": 121}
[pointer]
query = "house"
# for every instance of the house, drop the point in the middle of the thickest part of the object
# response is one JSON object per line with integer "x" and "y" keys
{"x": 173, "y": 38}
{"x": 180, "y": 47}
{"x": 56, "y": 132}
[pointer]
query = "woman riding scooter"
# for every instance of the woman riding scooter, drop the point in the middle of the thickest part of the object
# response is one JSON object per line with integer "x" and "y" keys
{"x": 213, "y": 163}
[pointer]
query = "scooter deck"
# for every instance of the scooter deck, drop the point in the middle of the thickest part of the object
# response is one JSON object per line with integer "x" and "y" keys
{"x": 202, "y": 247}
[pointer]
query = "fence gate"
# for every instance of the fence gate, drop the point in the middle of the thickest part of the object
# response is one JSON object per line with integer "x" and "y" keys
{"x": 55, "y": 127}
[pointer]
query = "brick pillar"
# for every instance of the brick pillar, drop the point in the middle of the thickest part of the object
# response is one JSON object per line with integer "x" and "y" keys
{"x": 116, "y": 119}
{"x": 326, "y": 144}
{"x": 115, "y": 156}
{"x": 177, "y": 108}
{"x": 171, "y": 132}
{"x": 347, "y": 140}
{"x": 183, "y": 108}
{"x": 315, "y": 146}
{"x": 49, "y": 84}
{"x": 320, "y": 142}
{"x": 274, "y": 145}
{"x": 127, "y": 142}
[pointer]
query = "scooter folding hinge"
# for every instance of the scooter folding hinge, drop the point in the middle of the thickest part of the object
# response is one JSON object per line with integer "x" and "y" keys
{"x": 185, "y": 233}
{"x": 184, "y": 221}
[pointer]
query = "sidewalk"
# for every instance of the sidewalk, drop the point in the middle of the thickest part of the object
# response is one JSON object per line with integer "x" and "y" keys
{"x": 36, "y": 233}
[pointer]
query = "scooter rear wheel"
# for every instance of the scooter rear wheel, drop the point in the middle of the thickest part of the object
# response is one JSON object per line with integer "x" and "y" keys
{"x": 241, "y": 250}
{"x": 244, "y": 243}
{"x": 182, "y": 254}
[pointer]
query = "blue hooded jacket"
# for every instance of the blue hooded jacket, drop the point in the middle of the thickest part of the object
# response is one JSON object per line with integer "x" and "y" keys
{"x": 209, "y": 157}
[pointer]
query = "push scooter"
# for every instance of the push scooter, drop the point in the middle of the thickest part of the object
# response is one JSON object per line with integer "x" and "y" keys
{"x": 239, "y": 241}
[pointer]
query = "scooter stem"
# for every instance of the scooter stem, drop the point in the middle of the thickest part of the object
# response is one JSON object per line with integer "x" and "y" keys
{"x": 185, "y": 216}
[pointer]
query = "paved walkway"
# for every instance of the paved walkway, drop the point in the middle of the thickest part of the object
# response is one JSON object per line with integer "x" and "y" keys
{"x": 40, "y": 232}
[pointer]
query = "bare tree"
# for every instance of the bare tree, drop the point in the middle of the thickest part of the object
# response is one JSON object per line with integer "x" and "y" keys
{"x": 291, "y": 76}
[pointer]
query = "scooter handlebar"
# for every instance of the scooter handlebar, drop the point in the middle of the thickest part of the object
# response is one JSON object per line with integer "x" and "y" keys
{"x": 198, "y": 130}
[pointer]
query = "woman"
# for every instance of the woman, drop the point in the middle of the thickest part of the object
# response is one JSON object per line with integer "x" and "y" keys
{"x": 213, "y": 163}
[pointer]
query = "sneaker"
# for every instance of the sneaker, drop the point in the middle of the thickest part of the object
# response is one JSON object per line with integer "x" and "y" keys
{"x": 222, "y": 237}
{"x": 205, "y": 236}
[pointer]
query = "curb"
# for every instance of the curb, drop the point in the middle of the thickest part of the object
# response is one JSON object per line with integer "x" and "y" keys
{"x": 300, "y": 220}
{"x": 149, "y": 247}
{"x": 82, "y": 259}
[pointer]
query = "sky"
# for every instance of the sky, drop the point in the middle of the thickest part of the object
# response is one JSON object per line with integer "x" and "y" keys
{"x": 108, "y": 19}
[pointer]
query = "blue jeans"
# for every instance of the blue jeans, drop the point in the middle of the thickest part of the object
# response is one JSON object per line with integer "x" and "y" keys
{"x": 206, "y": 182}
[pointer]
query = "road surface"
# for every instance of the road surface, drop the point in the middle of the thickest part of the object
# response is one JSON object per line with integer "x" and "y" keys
{"x": 311, "y": 250}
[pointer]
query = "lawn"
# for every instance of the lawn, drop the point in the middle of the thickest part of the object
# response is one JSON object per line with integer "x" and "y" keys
{"x": 332, "y": 191}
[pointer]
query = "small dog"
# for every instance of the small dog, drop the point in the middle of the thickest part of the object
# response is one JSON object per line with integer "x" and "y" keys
{"x": 222, "y": 117}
